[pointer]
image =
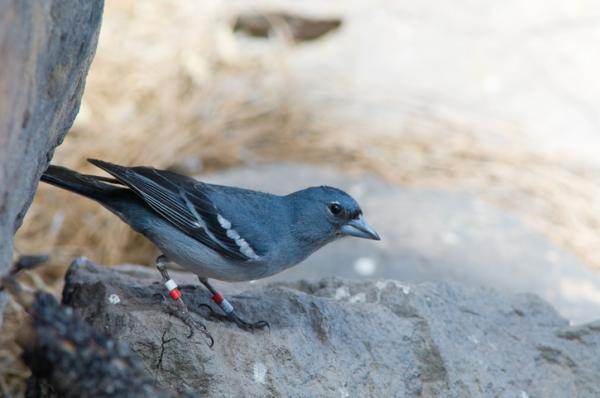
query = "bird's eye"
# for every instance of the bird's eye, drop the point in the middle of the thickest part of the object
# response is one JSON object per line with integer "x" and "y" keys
{"x": 335, "y": 208}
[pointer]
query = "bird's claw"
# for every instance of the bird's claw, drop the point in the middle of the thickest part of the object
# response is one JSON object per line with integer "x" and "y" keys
{"x": 233, "y": 317}
{"x": 212, "y": 312}
{"x": 242, "y": 324}
{"x": 193, "y": 325}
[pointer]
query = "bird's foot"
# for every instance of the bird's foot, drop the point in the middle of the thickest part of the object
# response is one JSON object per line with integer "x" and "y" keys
{"x": 233, "y": 317}
{"x": 227, "y": 308}
{"x": 182, "y": 313}
{"x": 244, "y": 325}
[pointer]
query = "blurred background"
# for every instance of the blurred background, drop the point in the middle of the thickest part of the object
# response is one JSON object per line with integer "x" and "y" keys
{"x": 469, "y": 130}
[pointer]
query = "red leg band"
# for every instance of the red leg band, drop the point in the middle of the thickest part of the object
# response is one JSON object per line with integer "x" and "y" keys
{"x": 175, "y": 294}
{"x": 218, "y": 298}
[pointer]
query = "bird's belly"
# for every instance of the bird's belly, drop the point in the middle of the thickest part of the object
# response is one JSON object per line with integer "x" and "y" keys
{"x": 203, "y": 261}
{"x": 211, "y": 265}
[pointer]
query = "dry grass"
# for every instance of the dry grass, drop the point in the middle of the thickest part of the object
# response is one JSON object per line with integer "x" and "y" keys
{"x": 170, "y": 87}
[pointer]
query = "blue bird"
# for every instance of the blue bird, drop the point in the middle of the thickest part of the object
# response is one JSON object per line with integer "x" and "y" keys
{"x": 215, "y": 231}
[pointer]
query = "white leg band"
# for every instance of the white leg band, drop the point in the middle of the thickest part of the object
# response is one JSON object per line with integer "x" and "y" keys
{"x": 170, "y": 284}
{"x": 226, "y": 306}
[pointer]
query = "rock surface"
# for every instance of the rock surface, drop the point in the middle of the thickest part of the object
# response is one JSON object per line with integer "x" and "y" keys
{"x": 46, "y": 49}
{"x": 430, "y": 235}
{"x": 334, "y": 338}
{"x": 70, "y": 359}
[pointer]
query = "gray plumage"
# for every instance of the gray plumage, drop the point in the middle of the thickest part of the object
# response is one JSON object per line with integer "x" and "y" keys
{"x": 215, "y": 231}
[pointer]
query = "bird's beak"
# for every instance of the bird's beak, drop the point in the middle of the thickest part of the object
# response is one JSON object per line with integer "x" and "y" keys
{"x": 359, "y": 228}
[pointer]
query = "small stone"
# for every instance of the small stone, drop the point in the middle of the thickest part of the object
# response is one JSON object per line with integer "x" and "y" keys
{"x": 260, "y": 371}
{"x": 358, "y": 298}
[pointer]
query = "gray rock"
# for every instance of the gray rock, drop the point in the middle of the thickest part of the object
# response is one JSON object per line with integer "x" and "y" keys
{"x": 334, "y": 338}
{"x": 46, "y": 48}
{"x": 430, "y": 235}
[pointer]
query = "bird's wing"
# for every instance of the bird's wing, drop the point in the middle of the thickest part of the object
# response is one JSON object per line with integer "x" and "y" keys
{"x": 181, "y": 201}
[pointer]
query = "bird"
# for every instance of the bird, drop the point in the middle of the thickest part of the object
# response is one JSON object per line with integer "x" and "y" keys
{"x": 214, "y": 231}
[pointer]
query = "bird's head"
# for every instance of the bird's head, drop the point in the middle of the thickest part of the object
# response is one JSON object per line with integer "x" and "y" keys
{"x": 329, "y": 213}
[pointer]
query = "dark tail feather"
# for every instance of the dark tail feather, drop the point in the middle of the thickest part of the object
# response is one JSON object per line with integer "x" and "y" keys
{"x": 94, "y": 187}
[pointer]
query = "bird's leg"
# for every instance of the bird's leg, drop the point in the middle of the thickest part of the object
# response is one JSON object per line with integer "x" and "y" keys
{"x": 182, "y": 311}
{"x": 227, "y": 308}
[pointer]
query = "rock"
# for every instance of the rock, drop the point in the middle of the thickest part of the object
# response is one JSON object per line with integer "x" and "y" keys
{"x": 68, "y": 358}
{"x": 334, "y": 338}
{"x": 298, "y": 27}
{"x": 46, "y": 49}
{"x": 430, "y": 235}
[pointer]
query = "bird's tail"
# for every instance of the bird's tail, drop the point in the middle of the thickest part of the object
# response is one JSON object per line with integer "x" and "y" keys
{"x": 93, "y": 187}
